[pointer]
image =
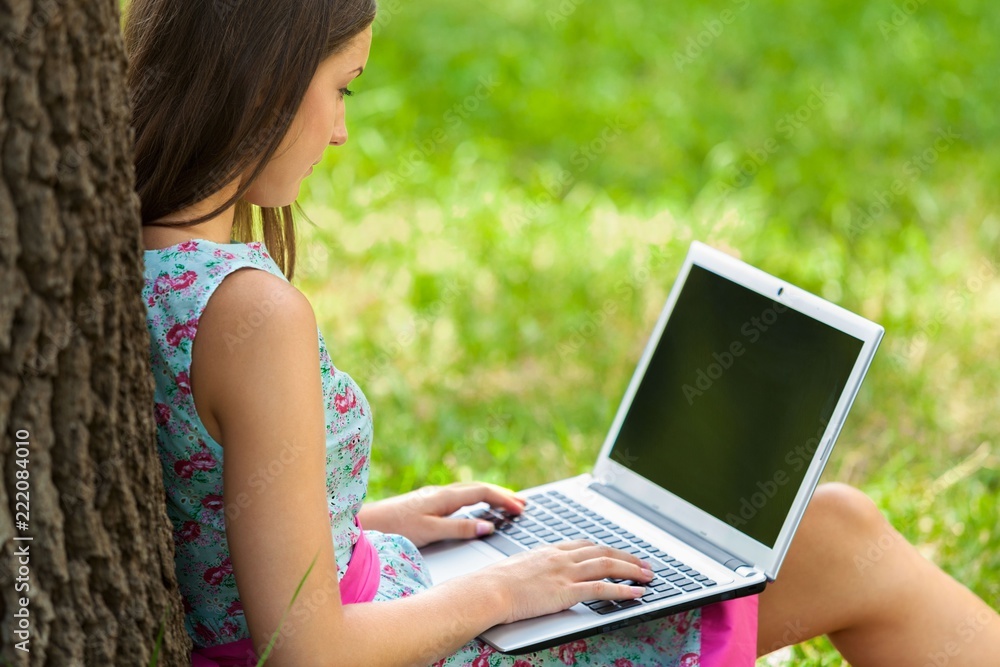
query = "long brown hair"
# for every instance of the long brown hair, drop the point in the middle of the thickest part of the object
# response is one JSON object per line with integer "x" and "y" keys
{"x": 214, "y": 86}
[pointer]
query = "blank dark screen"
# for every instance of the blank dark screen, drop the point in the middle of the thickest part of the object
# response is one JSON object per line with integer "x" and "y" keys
{"x": 734, "y": 403}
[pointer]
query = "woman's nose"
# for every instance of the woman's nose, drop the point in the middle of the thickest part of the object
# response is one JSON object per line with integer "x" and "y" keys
{"x": 339, "y": 137}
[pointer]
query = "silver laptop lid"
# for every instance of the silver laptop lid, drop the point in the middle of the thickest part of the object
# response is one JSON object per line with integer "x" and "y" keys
{"x": 730, "y": 416}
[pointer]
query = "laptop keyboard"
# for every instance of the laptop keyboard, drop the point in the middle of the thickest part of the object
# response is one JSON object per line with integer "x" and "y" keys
{"x": 553, "y": 517}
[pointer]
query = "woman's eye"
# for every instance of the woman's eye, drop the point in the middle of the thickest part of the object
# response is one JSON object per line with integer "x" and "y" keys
{"x": 346, "y": 92}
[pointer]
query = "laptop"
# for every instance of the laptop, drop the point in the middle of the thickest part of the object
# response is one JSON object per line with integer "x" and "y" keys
{"x": 714, "y": 453}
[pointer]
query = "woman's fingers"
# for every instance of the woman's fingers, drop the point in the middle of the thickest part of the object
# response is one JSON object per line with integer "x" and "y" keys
{"x": 448, "y": 528}
{"x": 462, "y": 494}
{"x": 607, "y": 563}
{"x": 582, "y": 550}
{"x": 605, "y": 590}
{"x": 612, "y": 568}
{"x": 590, "y": 564}
{"x": 497, "y": 496}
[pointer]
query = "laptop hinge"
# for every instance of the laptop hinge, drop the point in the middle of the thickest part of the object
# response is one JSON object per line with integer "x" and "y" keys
{"x": 675, "y": 529}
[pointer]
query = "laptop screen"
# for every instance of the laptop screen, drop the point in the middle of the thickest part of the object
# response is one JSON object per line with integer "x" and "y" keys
{"x": 734, "y": 403}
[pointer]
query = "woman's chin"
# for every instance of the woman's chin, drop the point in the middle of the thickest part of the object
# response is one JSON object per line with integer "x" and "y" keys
{"x": 276, "y": 198}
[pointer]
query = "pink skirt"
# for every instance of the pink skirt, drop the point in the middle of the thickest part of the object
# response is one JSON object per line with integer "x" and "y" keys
{"x": 729, "y": 633}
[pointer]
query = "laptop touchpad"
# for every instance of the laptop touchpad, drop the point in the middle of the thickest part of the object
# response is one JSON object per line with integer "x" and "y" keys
{"x": 446, "y": 560}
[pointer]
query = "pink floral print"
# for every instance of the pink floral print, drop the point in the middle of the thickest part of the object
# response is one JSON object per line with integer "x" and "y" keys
{"x": 181, "y": 331}
{"x": 344, "y": 402}
{"x": 184, "y": 469}
{"x": 183, "y": 383}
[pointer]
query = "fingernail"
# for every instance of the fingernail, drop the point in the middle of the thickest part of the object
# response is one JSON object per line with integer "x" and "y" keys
{"x": 647, "y": 573}
{"x": 484, "y": 528}
{"x": 638, "y": 591}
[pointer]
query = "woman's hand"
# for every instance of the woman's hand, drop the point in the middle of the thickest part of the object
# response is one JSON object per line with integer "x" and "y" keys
{"x": 422, "y": 515}
{"x": 553, "y": 578}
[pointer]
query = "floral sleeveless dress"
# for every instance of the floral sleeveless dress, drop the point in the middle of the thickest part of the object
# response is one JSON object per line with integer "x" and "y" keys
{"x": 179, "y": 280}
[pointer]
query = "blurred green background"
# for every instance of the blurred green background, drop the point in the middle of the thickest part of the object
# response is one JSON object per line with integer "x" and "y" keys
{"x": 488, "y": 253}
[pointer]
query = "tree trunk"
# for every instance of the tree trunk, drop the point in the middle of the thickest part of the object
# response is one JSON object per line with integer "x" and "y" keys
{"x": 86, "y": 557}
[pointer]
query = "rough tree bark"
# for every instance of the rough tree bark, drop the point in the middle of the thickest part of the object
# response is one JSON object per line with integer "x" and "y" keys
{"x": 75, "y": 382}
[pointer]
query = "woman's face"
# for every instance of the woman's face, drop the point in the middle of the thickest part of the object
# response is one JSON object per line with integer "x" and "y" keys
{"x": 318, "y": 123}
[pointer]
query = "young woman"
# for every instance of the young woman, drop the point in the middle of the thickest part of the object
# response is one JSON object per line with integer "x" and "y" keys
{"x": 264, "y": 441}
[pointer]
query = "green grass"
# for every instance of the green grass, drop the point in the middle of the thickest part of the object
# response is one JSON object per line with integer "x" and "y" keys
{"x": 494, "y": 243}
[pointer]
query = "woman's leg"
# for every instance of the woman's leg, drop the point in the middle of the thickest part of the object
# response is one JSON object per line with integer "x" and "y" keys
{"x": 850, "y": 575}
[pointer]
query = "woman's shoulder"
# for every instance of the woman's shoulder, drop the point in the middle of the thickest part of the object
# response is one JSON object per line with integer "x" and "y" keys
{"x": 255, "y": 327}
{"x": 249, "y": 300}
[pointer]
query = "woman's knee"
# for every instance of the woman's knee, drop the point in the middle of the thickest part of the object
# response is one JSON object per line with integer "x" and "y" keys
{"x": 845, "y": 510}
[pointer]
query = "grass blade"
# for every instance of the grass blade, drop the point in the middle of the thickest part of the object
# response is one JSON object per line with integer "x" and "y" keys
{"x": 274, "y": 637}
{"x": 155, "y": 658}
